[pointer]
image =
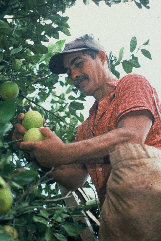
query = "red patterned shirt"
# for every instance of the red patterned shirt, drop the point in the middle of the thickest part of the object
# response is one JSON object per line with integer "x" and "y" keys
{"x": 132, "y": 92}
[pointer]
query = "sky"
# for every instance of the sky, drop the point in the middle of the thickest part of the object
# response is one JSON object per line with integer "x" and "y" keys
{"x": 115, "y": 26}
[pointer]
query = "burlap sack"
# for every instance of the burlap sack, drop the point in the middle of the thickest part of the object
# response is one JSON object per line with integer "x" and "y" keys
{"x": 132, "y": 208}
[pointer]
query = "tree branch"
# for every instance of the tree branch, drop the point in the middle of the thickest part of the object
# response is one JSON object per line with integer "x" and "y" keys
{"x": 32, "y": 101}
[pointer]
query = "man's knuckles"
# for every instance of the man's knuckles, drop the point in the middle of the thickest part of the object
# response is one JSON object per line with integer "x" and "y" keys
{"x": 20, "y": 129}
{"x": 21, "y": 116}
{"x": 46, "y": 132}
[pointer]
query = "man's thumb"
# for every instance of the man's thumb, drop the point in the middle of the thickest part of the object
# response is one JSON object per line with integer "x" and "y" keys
{"x": 46, "y": 131}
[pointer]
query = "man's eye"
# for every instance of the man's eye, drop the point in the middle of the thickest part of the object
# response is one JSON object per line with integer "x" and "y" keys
{"x": 79, "y": 64}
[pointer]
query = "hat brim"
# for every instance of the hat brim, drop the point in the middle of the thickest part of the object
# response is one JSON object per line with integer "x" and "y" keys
{"x": 56, "y": 64}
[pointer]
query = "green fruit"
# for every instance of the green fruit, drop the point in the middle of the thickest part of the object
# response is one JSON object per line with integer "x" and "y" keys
{"x": 9, "y": 90}
{"x": 32, "y": 119}
{"x": 12, "y": 231}
{"x": 34, "y": 134}
{"x": 6, "y": 198}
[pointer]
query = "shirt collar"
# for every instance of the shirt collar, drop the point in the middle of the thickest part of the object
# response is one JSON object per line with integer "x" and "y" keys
{"x": 104, "y": 100}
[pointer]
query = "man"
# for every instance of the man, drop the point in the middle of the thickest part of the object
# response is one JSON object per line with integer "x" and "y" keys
{"x": 122, "y": 124}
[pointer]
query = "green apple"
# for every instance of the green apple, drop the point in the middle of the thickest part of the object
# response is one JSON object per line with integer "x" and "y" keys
{"x": 32, "y": 119}
{"x": 9, "y": 90}
{"x": 12, "y": 231}
{"x": 33, "y": 134}
{"x": 6, "y": 198}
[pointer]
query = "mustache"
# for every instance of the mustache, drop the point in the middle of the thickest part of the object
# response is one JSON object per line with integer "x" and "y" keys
{"x": 78, "y": 79}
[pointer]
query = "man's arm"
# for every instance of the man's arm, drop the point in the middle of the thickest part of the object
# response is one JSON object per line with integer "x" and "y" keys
{"x": 139, "y": 122}
{"x": 71, "y": 176}
{"x": 52, "y": 151}
{"x": 132, "y": 127}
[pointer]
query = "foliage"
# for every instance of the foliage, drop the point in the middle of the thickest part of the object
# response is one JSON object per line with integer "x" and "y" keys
{"x": 26, "y": 26}
{"x": 138, "y": 3}
{"x": 131, "y": 61}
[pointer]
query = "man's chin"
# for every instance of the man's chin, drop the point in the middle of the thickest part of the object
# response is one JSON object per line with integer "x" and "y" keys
{"x": 86, "y": 92}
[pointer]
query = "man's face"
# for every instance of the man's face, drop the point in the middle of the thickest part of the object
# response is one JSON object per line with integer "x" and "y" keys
{"x": 84, "y": 72}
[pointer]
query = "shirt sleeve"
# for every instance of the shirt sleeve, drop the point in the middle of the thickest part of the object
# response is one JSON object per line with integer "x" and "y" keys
{"x": 134, "y": 93}
{"x": 79, "y": 135}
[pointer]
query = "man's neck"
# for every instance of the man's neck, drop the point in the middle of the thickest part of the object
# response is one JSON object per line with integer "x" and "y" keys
{"x": 106, "y": 89}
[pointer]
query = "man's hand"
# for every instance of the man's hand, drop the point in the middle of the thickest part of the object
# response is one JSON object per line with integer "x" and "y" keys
{"x": 48, "y": 152}
{"x": 19, "y": 130}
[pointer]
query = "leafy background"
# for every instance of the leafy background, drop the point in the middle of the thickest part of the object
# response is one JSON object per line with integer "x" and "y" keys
{"x": 26, "y": 26}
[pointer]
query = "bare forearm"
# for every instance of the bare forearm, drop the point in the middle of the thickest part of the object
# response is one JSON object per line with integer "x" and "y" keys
{"x": 71, "y": 176}
{"x": 52, "y": 152}
{"x": 95, "y": 148}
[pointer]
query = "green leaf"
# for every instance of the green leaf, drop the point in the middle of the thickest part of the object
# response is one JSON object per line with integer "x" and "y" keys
{"x": 133, "y": 44}
{"x": 96, "y": 2}
{"x": 1, "y": 67}
{"x": 58, "y": 219}
{"x": 145, "y": 3}
{"x": 4, "y": 24}
{"x": 81, "y": 118}
{"x": 39, "y": 48}
{"x": 115, "y": 72}
{"x": 26, "y": 177}
{"x": 1, "y": 56}
{"x": 138, "y": 4}
{"x": 127, "y": 66}
{"x": 15, "y": 185}
{"x": 16, "y": 50}
{"x": 60, "y": 237}
{"x": 49, "y": 235}
{"x": 30, "y": 4}
{"x": 44, "y": 213}
{"x": 121, "y": 53}
{"x": 86, "y": 2}
{"x": 65, "y": 31}
{"x": 7, "y": 110}
{"x": 108, "y": 2}
{"x": 147, "y": 42}
{"x": 146, "y": 53}
{"x": 38, "y": 219}
{"x": 76, "y": 105}
{"x": 16, "y": 63}
{"x": 4, "y": 128}
{"x": 71, "y": 229}
{"x": 134, "y": 62}
{"x": 57, "y": 47}
{"x": 4, "y": 235}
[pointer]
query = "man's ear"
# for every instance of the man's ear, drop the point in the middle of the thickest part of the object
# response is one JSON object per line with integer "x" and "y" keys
{"x": 102, "y": 56}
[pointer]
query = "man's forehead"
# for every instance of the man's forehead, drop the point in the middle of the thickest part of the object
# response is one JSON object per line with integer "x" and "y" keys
{"x": 68, "y": 58}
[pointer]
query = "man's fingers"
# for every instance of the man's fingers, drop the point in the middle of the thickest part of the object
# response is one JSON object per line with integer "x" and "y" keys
{"x": 27, "y": 146}
{"x": 20, "y": 129}
{"x": 18, "y": 133}
{"x": 21, "y": 117}
{"x": 46, "y": 132}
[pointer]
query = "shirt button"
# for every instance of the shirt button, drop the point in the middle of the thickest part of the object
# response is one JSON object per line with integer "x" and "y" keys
{"x": 100, "y": 169}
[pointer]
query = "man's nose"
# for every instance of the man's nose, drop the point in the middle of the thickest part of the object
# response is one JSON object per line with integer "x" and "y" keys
{"x": 74, "y": 75}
